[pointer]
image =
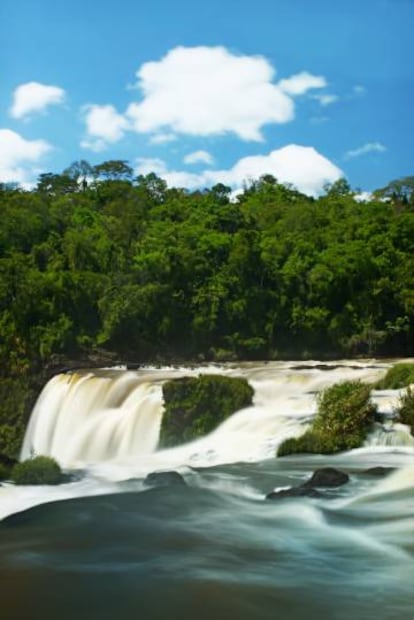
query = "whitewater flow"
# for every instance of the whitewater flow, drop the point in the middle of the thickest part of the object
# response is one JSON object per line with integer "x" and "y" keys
{"x": 110, "y": 420}
{"x": 346, "y": 554}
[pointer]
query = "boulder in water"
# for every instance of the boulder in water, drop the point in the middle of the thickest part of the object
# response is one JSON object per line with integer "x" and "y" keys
{"x": 164, "y": 479}
{"x": 379, "y": 471}
{"x": 301, "y": 491}
{"x": 327, "y": 477}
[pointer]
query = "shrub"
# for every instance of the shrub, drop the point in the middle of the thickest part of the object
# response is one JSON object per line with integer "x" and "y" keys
{"x": 344, "y": 416}
{"x": 195, "y": 406}
{"x": 406, "y": 409}
{"x": 39, "y": 470}
{"x": 399, "y": 376}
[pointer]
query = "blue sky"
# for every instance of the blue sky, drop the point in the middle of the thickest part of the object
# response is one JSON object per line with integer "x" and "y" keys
{"x": 210, "y": 92}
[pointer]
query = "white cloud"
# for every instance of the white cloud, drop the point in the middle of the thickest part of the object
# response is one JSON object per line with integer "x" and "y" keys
{"x": 35, "y": 97}
{"x": 162, "y": 138}
{"x": 359, "y": 89}
{"x": 104, "y": 125}
{"x": 300, "y": 166}
{"x": 370, "y": 147}
{"x": 18, "y": 156}
{"x": 363, "y": 196}
{"x": 302, "y": 82}
{"x": 97, "y": 145}
{"x": 204, "y": 91}
{"x": 326, "y": 99}
{"x": 199, "y": 157}
{"x": 145, "y": 165}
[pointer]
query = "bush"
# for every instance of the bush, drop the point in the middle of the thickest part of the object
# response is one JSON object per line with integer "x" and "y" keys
{"x": 195, "y": 406}
{"x": 39, "y": 470}
{"x": 397, "y": 377}
{"x": 309, "y": 443}
{"x": 344, "y": 416}
{"x": 405, "y": 410}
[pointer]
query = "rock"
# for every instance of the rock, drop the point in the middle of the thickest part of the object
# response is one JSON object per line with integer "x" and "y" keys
{"x": 301, "y": 491}
{"x": 164, "y": 478}
{"x": 379, "y": 471}
{"x": 327, "y": 477}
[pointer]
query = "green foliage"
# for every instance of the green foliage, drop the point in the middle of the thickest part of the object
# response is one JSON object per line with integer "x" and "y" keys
{"x": 310, "y": 442}
{"x": 405, "y": 409}
{"x": 39, "y": 470}
{"x": 343, "y": 419}
{"x": 399, "y": 376}
{"x": 195, "y": 406}
{"x": 17, "y": 396}
{"x": 93, "y": 257}
{"x": 4, "y": 472}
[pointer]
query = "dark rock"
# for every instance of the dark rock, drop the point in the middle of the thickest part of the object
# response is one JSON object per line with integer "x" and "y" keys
{"x": 301, "y": 491}
{"x": 327, "y": 477}
{"x": 379, "y": 471}
{"x": 164, "y": 478}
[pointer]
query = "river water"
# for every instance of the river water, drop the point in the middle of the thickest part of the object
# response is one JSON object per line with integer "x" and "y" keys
{"x": 107, "y": 546}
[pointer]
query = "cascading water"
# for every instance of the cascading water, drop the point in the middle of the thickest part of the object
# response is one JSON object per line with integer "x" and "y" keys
{"x": 212, "y": 546}
{"x": 115, "y": 416}
{"x": 92, "y": 418}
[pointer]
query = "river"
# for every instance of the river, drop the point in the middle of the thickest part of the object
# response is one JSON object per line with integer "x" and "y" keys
{"x": 108, "y": 546}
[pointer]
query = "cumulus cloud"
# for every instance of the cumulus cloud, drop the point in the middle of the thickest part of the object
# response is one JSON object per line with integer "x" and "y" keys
{"x": 202, "y": 91}
{"x": 370, "y": 147}
{"x": 300, "y": 166}
{"x": 104, "y": 125}
{"x": 35, "y": 97}
{"x": 302, "y": 82}
{"x": 199, "y": 157}
{"x": 18, "y": 156}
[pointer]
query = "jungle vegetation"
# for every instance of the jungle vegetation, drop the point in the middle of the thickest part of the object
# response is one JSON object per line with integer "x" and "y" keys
{"x": 96, "y": 259}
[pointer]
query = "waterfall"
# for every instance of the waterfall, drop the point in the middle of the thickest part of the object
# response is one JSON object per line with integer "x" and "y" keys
{"x": 92, "y": 418}
{"x": 390, "y": 434}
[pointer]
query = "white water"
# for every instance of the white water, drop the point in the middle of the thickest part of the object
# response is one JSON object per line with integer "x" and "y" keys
{"x": 107, "y": 423}
{"x": 114, "y": 417}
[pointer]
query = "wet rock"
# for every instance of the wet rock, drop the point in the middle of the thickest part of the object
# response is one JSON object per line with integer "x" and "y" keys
{"x": 379, "y": 471}
{"x": 301, "y": 491}
{"x": 164, "y": 478}
{"x": 327, "y": 477}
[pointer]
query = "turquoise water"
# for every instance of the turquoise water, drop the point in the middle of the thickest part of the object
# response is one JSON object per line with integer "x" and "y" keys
{"x": 217, "y": 549}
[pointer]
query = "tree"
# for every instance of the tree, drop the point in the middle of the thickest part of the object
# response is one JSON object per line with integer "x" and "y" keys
{"x": 114, "y": 170}
{"x": 80, "y": 171}
{"x": 55, "y": 184}
{"x": 400, "y": 191}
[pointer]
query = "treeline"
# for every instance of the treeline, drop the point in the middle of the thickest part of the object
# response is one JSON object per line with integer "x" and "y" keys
{"x": 94, "y": 258}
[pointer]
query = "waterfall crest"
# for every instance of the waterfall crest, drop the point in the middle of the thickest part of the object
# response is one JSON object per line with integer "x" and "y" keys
{"x": 91, "y": 418}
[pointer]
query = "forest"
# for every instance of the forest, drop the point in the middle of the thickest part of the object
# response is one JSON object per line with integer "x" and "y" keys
{"x": 95, "y": 260}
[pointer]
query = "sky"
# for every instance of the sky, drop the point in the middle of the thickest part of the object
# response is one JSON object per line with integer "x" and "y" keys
{"x": 208, "y": 92}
